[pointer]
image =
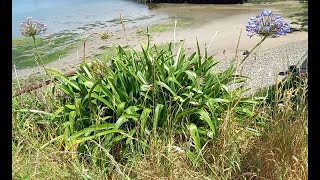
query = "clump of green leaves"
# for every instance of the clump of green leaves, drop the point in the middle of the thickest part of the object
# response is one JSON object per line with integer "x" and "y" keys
{"x": 119, "y": 104}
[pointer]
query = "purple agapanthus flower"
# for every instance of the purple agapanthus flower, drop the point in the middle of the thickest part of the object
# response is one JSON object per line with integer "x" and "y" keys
{"x": 266, "y": 12}
{"x": 267, "y": 24}
{"x": 31, "y": 28}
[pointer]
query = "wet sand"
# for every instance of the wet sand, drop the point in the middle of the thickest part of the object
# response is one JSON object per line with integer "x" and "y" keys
{"x": 225, "y": 20}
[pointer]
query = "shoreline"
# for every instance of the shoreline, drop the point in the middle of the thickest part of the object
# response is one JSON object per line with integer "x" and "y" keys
{"x": 228, "y": 28}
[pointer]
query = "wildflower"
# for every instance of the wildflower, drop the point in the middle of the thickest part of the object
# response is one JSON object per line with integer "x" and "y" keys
{"x": 267, "y": 24}
{"x": 31, "y": 28}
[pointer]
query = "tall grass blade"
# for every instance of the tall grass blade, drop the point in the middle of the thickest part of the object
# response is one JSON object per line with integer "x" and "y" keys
{"x": 157, "y": 115}
{"x": 195, "y": 136}
{"x": 143, "y": 120}
{"x": 63, "y": 77}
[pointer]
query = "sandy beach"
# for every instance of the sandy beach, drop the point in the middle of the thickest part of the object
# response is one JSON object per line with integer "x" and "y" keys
{"x": 220, "y": 24}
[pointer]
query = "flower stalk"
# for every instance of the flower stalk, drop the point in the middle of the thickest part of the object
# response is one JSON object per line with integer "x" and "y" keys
{"x": 39, "y": 56}
{"x": 32, "y": 28}
{"x": 103, "y": 37}
{"x": 254, "y": 48}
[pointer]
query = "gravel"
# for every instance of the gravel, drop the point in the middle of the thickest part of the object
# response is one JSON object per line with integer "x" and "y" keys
{"x": 263, "y": 67}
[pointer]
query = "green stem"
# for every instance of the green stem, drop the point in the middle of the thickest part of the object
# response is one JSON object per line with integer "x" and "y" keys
{"x": 255, "y": 47}
{"x": 84, "y": 45}
{"x": 236, "y": 56}
{"x": 37, "y": 51}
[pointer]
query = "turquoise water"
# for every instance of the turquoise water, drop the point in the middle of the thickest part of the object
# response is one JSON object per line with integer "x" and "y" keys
{"x": 77, "y": 15}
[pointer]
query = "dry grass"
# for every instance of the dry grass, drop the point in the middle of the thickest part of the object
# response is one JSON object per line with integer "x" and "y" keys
{"x": 280, "y": 152}
{"x": 277, "y": 151}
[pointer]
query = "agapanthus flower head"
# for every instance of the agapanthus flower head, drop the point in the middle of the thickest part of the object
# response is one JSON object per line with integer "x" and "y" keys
{"x": 30, "y": 27}
{"x": 267, "y": 24}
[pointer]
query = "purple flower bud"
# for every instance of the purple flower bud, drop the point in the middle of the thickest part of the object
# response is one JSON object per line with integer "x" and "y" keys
{"x": 258, "y": 29}
{"x": 266, "y": 12}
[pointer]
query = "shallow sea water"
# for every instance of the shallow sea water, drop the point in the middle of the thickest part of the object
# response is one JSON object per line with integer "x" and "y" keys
{"x": 79, "y": 15}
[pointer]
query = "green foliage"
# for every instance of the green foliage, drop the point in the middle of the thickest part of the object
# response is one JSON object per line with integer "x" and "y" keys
{"x": 275, "y": 93}
{"x": 139, "y": 94}
{"x": 158, "y": 28}
{"x": 154, "y": 114}
{"x": 160, "y": 113}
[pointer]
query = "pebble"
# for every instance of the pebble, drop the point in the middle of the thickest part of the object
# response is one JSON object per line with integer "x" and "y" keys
{"x": 263, "y": 68}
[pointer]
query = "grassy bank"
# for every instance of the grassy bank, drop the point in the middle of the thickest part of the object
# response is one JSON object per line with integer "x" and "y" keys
{"x": 159, "y": 114}
{"x": 182, "y": 22}
{"x": 51, "y": 48}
